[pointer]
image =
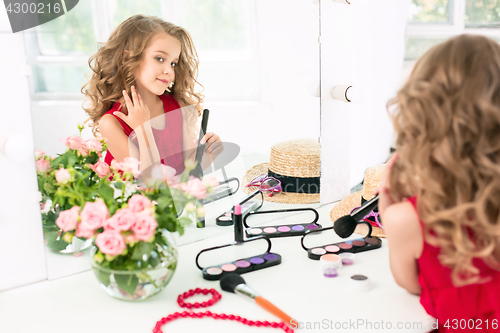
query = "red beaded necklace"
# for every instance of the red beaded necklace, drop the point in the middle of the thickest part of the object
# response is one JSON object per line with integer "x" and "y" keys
{"x": 216, "y": 297}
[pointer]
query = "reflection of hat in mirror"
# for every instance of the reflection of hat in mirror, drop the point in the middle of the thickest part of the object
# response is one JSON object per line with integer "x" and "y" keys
{"x": 297, "y": 165}
{"x": 371, "y": 181}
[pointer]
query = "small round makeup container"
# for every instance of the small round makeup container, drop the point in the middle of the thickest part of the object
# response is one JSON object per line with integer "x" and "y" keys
{"x": 347, "y": 258}
{"x": 359, "y": 283}
{"x": 330, "y": 264}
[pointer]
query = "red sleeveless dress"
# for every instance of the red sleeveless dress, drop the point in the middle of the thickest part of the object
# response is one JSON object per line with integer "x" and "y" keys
{"x": 471, "y": 308}
{"x": 168, "y": 140}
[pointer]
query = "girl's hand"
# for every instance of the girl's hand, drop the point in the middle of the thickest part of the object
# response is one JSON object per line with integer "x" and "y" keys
{"x": 213, "y": 143}
{"x": 138, "y": 112}
{"x": 385, "y": 199}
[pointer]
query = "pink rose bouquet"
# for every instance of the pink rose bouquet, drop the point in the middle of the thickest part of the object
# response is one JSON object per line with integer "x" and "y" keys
{"x": 126, "y": 219}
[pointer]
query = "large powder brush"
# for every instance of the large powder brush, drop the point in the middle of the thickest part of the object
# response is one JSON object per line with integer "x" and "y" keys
{"x": 345, "y": 226}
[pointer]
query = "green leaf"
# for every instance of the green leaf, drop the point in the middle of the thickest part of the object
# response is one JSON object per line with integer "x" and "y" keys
{"x": 53, "y": 243}
{"x": 71, "y": 158}
{"x": 142, "y": 249}
{"x": 103, "y": 277}
{"x": 154, "y": 260}
{"x": 180, "y": 229}
{"x": 118, "y": 185}
{"x": 48, "y": 187}
{"x": 106, "y": 192}
{"x": 127, "y": 282}
{"x": 185, "y": 221}
{"x": 54, "y": 164}
{"x": 164, "y": 203}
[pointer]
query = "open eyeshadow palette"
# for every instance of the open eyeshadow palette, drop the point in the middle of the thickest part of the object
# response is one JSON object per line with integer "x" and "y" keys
{"x": 297, "y": 229}
{"x": 353, "y": 246}
{"x": 239, "y": 266}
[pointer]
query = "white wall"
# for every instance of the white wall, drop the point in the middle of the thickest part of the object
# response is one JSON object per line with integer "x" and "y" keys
{"x": 362, "y": 46}
{"x": 22, "y": 253}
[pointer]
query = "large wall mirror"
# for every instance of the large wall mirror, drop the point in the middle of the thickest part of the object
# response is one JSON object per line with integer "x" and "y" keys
{"x": 259, "y": 66}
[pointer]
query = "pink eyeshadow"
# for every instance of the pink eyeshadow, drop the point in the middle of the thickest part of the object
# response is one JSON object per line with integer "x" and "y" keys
{"x": 228, "y": 267}
{"x": 332, "y": 248}
{"x": 269, "y": 230}
{"x": 284, "y": 229}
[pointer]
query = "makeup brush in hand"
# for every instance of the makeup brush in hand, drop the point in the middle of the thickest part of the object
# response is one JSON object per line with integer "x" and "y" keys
{"x": 345, "y": 226}
{"x": 234, "y": 283}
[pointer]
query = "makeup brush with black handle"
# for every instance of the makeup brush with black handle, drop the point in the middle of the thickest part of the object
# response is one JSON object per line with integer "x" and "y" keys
{"x": 345, "y": 226}
{"x": 234, "y": 283}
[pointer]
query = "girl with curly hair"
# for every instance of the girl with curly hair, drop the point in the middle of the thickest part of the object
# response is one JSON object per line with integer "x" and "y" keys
{"x": 142, "y": 94}
{"x": 440, "y": 196}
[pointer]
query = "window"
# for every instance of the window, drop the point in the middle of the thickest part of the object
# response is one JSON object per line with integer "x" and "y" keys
{"x": 222, "y": 30}
{"x": 433, "y": 21}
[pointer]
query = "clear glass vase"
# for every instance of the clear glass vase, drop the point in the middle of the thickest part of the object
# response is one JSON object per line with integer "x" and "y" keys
{"x": 138, "y": 284}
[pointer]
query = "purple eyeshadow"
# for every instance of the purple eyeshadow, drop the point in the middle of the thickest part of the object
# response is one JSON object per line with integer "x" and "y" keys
{"x": 257, "y": 260}
{"x": 283, "y": 228}
{"x": 270, "y": 256}
{"x": 242, "y": 263}
{"x": 298, "y": 227}
{"x": 312, "y": 226}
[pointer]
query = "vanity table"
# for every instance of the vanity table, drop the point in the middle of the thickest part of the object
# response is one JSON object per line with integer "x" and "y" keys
{"x": 77, "y": 304}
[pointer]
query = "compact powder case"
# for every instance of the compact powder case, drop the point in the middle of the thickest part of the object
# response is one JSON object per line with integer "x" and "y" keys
{"x": 350, "y": 246}
{"x": 241, "y": 265}
{"x": 297, "y": 229}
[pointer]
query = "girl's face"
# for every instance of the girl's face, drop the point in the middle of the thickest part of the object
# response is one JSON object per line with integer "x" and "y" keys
{"x": 156, "y": 70}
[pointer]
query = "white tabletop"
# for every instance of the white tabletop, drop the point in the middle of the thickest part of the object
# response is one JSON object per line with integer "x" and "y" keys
{"x": 77, "y": 303}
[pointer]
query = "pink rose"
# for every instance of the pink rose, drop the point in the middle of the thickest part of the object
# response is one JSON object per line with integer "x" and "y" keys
{"x": 101, "y": 168}
{"x": 138, "y": 203}
{"x": 195, "y": 187}
{"x": 83, "y": 152}
{"x": 131, "y": 164}
{"x": 211, "y": 181}
{"x": 122, "y": 220}
{"x": 62, "y": 176}
{"x": 68, "y": 219}
{"x": 163, "y": 172}
{"x": 93, "y": 215}
{"x": 93, "y": 145}
{"x": 73, "y": 142}
{"x": 144, "y": 227}
{"x": 130, "y": 239}
{"x": 42, "y": 165}
{"x": 110, "y": 242}
{"x": 115, "y": 165}
{"x": 84, "y": 233}
{"x": 39, "y": 153}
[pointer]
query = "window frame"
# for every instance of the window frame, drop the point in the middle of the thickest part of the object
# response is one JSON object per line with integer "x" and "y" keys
{"x": 102, "y": 29}
{"x": 436, "y": 30}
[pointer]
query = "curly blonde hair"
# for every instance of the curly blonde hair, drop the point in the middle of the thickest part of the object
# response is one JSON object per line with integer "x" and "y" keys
{"x": 110, "y": 76}
{"x": 447, "y": 120}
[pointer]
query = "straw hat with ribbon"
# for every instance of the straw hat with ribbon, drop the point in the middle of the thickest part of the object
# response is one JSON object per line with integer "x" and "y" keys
{"x": 372, "y": 180}
{"x": 296, "y": 164}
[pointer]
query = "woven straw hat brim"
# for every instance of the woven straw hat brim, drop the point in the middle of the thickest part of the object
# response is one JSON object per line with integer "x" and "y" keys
{"x": 283, "y": 197}
{"x": 345, "y": 206}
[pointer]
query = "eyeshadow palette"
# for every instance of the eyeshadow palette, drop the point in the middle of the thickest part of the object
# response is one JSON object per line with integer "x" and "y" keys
{"x": 241, "y": 266}
{"x": 352, "y": 246}
{"x": 366, "y": 243}
{"x": 288, "y": 230}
